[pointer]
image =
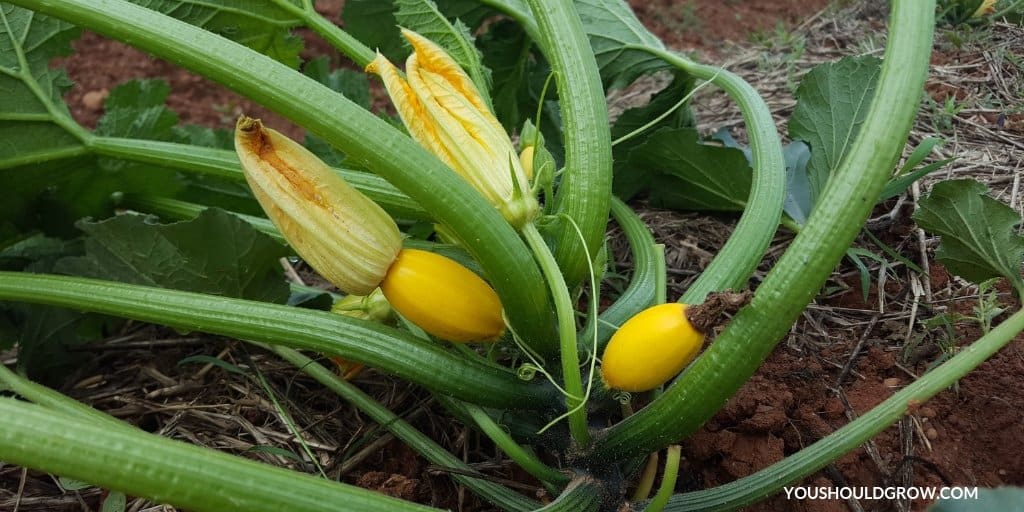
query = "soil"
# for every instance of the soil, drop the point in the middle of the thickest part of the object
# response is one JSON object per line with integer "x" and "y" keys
{"x": 842, "y": 358}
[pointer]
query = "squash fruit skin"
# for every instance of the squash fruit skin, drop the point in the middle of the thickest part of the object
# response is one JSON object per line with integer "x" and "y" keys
{"x": 443, "y": 298}
{"x": 650, "y": 348}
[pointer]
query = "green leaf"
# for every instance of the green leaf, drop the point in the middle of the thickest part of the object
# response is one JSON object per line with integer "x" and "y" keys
{"x": 628, "y": 179}
{"x": 979, "y": 241}
{"x": 261, "y": 25}
{"x": 686, "y": 174}
{"x": 832, "y": 100}
{"x": 215, "y": 253}
{"x": 906, "y": 176}
{"x": 352, "y": 84}
{"x": 69, "y": 484}
{"x": 1000, "y": 498}
{"x": 31, "y": 108}
{"x": 799, "y": 201}
{"x": 506, "y": 51}
{"x": 423, "y": 16}
{"x": 136, "y": 110}
{"x": 373, "y": 22}
{"x": 611, "y": 25}
{"x": 115, "y": 502}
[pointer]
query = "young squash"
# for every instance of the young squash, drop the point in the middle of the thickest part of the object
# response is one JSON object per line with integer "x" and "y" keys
{"x": 650, "y": 348}
{"x": 442, "y": 297}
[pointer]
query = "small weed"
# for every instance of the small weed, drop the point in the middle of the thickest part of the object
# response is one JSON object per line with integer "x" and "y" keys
{"x": 943, "y": 114}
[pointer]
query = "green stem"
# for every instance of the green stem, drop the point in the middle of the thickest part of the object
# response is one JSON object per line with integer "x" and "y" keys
{"x": 738, "y": 258}
{"x": 224, "y": 163}
{"x": 566, "y": 334}
{"x": 584, "y": 494}
{"x": 525, "y": 459}
{"x": 846, "y": 203}
{"x": 364, "y": 137}
{"x": 668, "y": 480}
{"x": 642, "y": 291}
{"x": 166, "y": 471}
{"x": 388, "y": 349}
{"x": 53, "y": 400}
{"x": 756, "y": 487}
{"x": 333, "y": 34}
{"x": 585, "y": 190}
{"x": 496, "y": 494}
{"x": 517, "y": 11}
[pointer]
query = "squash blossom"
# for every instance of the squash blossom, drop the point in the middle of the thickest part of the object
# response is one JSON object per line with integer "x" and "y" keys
{"x": 986, "y": 7}
{"x": 355, "y": 245}
{"x": 345, "y": 236}
{"x": 446, "y": 114}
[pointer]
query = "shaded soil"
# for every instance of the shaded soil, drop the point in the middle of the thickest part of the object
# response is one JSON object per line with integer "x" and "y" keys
{"x": 969, "y": 435}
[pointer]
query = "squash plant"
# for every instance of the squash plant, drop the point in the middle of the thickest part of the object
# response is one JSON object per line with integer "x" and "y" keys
{"x": 530, "y": 224}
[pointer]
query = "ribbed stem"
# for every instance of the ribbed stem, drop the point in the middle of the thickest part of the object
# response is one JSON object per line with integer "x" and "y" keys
{"x": 387, "y": 349}
{"x": 224, "y": 163}
{"x": 436, "y": 454}
{"x": 523, "y": 458}
{"x": 363, "y": 137}
{"x": 166, "y": 471}
{"x": 587, "y": 180}
{"x": 738, "y": 258}
{"x": 333, "y": 34}
{"x": 847, "y": 200}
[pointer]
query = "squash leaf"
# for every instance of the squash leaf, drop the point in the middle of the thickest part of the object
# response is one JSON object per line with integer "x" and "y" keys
{"x": 979, "y": 240}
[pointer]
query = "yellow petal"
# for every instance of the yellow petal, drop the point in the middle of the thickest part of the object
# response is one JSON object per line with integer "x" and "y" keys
{"x": 340, "y": 232}
{"x": 416, "y": 119}
{"x": 434, "y": 59}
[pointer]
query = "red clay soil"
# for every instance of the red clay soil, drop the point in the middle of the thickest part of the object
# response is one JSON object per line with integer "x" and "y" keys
{"x": 974, "y": 432}
{"x": 966, "y": 436}
{"x": 705, "y": 24}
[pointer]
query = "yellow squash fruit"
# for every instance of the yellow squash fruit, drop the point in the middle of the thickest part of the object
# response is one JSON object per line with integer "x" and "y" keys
{"x": 442, "y": 297}
{"x": 650, "y": 348}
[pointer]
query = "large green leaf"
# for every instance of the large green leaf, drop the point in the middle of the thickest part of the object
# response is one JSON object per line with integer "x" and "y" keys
{"x": 507, "y": 52}
{"x": 262, "y": 25}
{"x": 611, "y": 26}
{"x": 832, "y": 100}
{"x": 686, "y": 174}
{"x": 630, "y": 180}
{"x": 215, "y": 253}
{"x": 31, "y": 108}
{"x": 373, "y": 22}
{"x": 979, "y": 241}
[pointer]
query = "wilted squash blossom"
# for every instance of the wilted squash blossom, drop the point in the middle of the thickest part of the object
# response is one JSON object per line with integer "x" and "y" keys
{"x": 986, "y": 7}
{"x": 345, "y": 236}
{"x": 445, "y": 112}
{"x": 354, "y": 244}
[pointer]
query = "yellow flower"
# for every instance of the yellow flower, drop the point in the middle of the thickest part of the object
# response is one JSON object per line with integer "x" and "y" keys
{"x": 356, "y": 246}
{"x": 340, "y": 232}
{"x": 445, "y": 112}
{"x": 986, "y": 7}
